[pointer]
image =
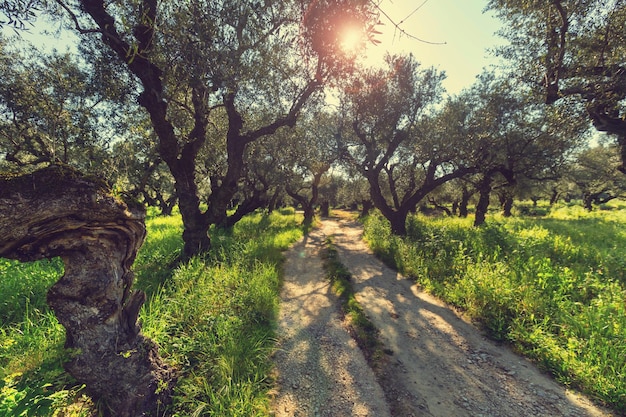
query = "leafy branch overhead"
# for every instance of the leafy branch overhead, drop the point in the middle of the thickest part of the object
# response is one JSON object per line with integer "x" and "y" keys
{"x": 572, "y": 50}
{"x": 197, "y": 65}
{"x": 17, "y": 13}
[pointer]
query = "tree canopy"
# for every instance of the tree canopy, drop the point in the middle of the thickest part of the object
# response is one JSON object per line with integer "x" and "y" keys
{"x": 194, "y": 70}
{"x": 191, "y": 59}
{"x": 573, "y": 52}
{"x": 225, "y": 107}
{"x": 387, "y": 136}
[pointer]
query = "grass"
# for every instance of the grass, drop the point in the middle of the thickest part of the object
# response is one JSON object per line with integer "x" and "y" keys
{"x": 32, "y": 380}
{"x": 360, "y": 327}
{"x": 554, "y": 286}
{"x": 213, "y": 318}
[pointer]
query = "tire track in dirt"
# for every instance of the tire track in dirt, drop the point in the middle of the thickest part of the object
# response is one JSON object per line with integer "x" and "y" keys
{"x": 320, "y": 370}
{"x": 443, "y": 365}
{"x": 440, "y": 365}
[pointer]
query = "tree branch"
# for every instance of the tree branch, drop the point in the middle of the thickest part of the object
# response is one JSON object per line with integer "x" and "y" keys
{"x": 75, "y": 19}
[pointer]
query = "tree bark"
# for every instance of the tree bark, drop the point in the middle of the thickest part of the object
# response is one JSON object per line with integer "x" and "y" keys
{"x": 484, "y": 189}
{"x": 366, "y": 207}
{"x": 257, "y": 200}
{"x": 588, "y": 201}
{"x": 179, "y": 155}
{"x": 398, "y": 222}
{"x": 464, "y": 203}
{"x": 507, "y": 203}
{"x": 273, "y": 202}
{"x": 440, "y": 207}
{"x": 59, "y": 212}
{"x": 554, "y": 197}
{"x": 308, "y": 204}
{"x": 325, "y": 209}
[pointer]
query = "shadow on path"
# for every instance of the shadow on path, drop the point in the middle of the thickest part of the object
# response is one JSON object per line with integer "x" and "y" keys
{"x": 442, "y": 365}
{"x": 320, "y": 370}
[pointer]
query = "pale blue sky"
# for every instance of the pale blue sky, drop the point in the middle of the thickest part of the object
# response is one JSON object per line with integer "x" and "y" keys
{"x": 461, "y": 24}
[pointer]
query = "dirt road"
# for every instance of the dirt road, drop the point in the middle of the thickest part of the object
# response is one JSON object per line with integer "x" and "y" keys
{"x": 438, "y": 364}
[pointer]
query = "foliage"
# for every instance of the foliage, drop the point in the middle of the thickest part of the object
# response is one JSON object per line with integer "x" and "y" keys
{"x": 325, "y": 22}
{"x": 571, "y": 52}
{"x": 54, "y": 109}
{"x": 197, "y": 68}
{"x": 18, "y": 12}
{"x": 137, "y": 169}
{"x": 389, "y": 140}
{"x": 309, "y": 158}
{"x": 553, "y": 287}
{"x": 516, "y": 135}
{"x": 212, "y": 317}
{"x": 515, "y": 140}
{"x": 595, "y": 174}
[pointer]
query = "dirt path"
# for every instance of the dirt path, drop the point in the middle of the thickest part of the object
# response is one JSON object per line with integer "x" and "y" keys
{"x": 439, "y": 364}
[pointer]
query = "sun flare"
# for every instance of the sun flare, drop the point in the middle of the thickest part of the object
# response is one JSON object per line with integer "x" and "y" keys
{"x": 351, "y": 40}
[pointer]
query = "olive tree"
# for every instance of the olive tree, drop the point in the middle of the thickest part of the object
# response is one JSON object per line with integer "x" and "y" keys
{"x": 191, "y": 58}
{"x": 55, "y": 110}
{"x": 595, "y": 177}
{"x": 391, "y": 140}
{"x": 572, "y": 51}
{"x": 309, "y": 163}
{"x": 517, "y": 138}
{"x": 58, "y": 212}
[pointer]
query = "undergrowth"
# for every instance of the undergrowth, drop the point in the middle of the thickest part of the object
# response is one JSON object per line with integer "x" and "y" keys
{"x": 212, "y": 317}
{"x": 554, "y": 287}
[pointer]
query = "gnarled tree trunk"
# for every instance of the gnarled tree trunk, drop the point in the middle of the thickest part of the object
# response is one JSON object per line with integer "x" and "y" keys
{"x": 464, "y": 203}
{"x": 325, "y": 209}
{"x": 59, "y": 212}
{"x": 484, "y": 189}
{"x": 506, "y": 202}
{"x": 367, "y": 206}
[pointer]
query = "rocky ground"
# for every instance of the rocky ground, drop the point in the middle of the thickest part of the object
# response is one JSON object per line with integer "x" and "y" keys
{"x": 437, "y": 363}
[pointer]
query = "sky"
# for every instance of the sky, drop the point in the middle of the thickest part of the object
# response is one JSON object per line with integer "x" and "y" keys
{"x": 455, "y": 34}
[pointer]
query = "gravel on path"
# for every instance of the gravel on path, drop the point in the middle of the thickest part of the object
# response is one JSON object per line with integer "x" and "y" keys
{"x": 320, "y": 370}
{"x": 438, "y": 363}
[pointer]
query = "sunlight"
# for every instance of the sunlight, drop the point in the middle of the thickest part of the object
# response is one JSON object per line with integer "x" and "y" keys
{"x": 355, "y": 42}
{"x": 352, "y": 40}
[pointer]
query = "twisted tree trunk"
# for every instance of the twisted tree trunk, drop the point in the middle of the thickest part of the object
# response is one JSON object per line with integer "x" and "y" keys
{"x": 367, "y": 206}
{"x": 59, "y": 212}
{"x": 484, "y": 189}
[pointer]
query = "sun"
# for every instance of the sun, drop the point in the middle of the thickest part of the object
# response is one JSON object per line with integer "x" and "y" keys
{"x": 351, "y": 40}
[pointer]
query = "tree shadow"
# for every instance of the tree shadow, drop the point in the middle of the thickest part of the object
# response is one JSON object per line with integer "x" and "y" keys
{"x": 310, "y": 331}
{"x": 444, "y": 361}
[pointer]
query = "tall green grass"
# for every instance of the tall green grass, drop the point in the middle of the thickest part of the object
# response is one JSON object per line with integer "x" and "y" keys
{"x": 32, "y": 380}
{"x": 553, "y": 287}
{"x": 213, "y": 318}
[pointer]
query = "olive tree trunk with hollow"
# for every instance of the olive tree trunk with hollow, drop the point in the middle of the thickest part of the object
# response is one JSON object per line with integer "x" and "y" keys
{"x": 57, "y": 212}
